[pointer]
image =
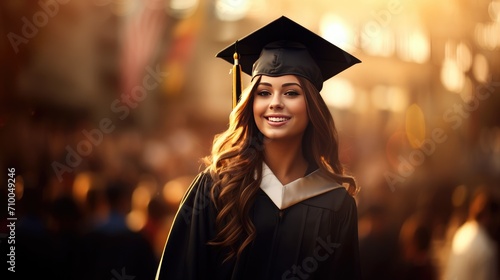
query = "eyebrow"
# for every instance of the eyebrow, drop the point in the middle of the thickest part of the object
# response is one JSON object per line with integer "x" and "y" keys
{"x": 283, "y": 85}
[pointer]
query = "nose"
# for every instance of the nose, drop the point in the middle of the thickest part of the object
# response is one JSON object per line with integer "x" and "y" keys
{"x": 276, "y": 102}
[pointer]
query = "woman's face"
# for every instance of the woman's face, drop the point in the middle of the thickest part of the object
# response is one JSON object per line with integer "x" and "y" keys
{"x": 279, "y": 108}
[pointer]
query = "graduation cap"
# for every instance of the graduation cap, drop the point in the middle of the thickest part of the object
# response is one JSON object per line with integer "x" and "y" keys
{"x": 284, "y": 47}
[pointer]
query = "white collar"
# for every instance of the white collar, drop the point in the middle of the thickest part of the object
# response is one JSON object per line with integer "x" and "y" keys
{"x": 299, "y": 190}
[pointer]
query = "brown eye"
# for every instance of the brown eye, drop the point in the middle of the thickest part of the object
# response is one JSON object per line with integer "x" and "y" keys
{"x": 292, "y": 93}
{"x": 263, "y": 93}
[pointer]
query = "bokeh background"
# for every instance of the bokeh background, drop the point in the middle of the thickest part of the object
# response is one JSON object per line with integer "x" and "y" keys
{"x": 107, "y": 107}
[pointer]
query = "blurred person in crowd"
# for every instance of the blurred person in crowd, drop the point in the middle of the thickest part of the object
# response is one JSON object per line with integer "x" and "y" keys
{"x": 378, "y": 243}
{"x": 110, "y": 248}
{"x": 32, "y": 234}
{"x": 474, "y": 250}
{"x": 271, "y": 203}
{"x": 157, "y": 218}
{"x": 48, "y": 231}
{"x": 66, "y": 235}
{"x": 415, "y": 246}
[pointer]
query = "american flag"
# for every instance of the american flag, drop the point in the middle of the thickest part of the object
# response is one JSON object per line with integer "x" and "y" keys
{"x": 142, "y": 35}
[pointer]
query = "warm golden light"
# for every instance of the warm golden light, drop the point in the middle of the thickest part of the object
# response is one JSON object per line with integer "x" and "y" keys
{"x": 81, "y": 186}
{"x": 451, "y": 76}
{"x": 389, "y": 98}
{"x": 395, "y": 144}
{"x": 19, "y": 187}
{"x": 362, "y": 101}
{"x": 480, "y": 68}
{"x": 123, "y": 7}
{"x": 494, "y": 10}
{"x": 415, "y": 126}
{"x": 383, "y": 44}
{"x": 136, "y": 220}
{"x": 182, "y": 8}
{"x": 231, "y": 10}
{"x": 463, "y": 56}
{"x": 174, "y": 190}
{"x": 335, "y": 30}
{"x": 487, "y": 35}
{"x": 339, "y": 93}
{"x": 414, "y": 46}
{"x": 140, "y": 198}
{"x": 464, "y": 238}
{"x": 467, "y": 92}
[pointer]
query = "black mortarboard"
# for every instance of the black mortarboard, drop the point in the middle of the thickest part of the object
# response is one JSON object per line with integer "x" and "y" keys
{"x": 285, "y": 47}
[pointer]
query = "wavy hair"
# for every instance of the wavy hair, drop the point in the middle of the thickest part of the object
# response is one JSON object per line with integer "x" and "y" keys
{"x": 235, "y": 164}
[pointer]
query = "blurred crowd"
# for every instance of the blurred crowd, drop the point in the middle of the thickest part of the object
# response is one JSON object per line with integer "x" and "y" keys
{"x": 102, "y": 216}
{"x": 110, "y": 214}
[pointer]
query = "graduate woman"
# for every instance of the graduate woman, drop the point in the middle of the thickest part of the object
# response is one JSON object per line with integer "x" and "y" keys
{"x": 273, "y": 201}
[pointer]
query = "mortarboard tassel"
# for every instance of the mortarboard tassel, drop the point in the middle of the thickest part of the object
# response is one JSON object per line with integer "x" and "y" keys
{"x": 236, "y": 77}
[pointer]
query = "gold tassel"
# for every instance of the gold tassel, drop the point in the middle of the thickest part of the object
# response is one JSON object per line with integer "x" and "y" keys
{"x": 236, "y": 78}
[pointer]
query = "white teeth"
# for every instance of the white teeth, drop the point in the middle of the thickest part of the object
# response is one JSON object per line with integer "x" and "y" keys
{"x": 277, "y": 119}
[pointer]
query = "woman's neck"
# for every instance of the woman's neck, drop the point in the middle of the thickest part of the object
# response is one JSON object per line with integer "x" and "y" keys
{"x": 285, "y": 159}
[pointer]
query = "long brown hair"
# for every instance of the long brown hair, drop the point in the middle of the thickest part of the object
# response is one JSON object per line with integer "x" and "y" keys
{"x": 320, "y": 144}
{"x": 235, "y": 164}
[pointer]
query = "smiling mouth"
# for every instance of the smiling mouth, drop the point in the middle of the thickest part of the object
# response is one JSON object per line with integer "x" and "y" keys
{"x": 277, "y": 119}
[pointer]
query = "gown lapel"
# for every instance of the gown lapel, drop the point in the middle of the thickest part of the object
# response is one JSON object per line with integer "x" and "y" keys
{"x": 284, "y": 196}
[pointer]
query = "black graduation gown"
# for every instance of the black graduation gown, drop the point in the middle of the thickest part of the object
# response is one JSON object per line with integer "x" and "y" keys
{"x": 316, "y": 238}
